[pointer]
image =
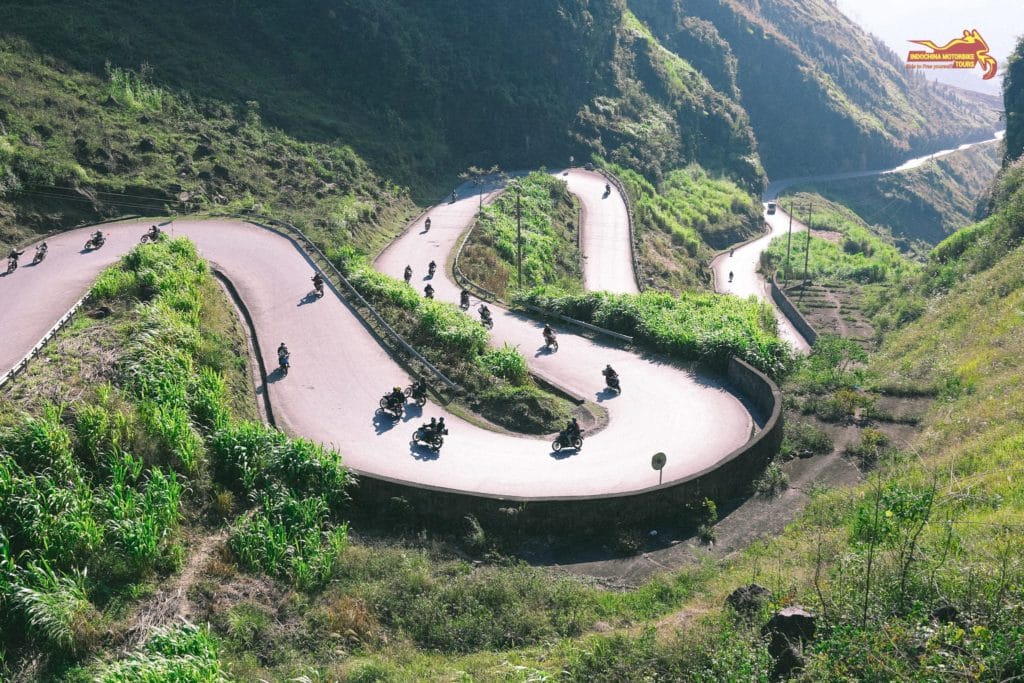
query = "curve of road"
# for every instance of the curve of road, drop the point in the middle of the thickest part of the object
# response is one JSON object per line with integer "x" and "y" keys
{"x": 340, "y": 371}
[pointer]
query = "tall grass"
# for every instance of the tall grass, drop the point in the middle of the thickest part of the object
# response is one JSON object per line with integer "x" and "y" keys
{"x": 133, "y": 90}
{"x": 182, "y": 654}
{"x": 692, "y": 326}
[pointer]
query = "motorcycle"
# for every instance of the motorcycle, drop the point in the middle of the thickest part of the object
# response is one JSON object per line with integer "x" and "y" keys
{"x": 612, "y": 382}
{"x": 418, "y": 397}
{"x": 151, "y": 237}
{"x": 464, "y": 302}
{"x": 426, "y": 225}
{"x": 551, "y": 342}
{"x": 40, "y": 255}
{"x": 408, "y": 275}
{"x": 563, "y": 440}
{"x": 431, "y": 269}
{"x": 318, "y": 287}
{"x": 392, "y": 405}
{"x": 12, "y": 265}
{"x": 487, "y": 321}
{"x": 434, "y": 441}
{"x": 95, "y": 242}
{"x": 283, "y": 363}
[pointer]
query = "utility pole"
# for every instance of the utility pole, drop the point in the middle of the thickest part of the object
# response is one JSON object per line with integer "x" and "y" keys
{"x": 519, "y": 238}
{"x": 807, "y": 250}
{"x": 789, "y": 243}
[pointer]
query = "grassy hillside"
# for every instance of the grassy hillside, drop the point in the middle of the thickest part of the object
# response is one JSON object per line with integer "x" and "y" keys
{"x": 822, "y": 95}
{"x": 76, "y": 147}
{"x": 421, "y": 88}
{"x": 922, "y": 206}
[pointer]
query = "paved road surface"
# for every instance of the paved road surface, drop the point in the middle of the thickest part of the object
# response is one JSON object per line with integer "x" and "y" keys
{"x": 747, "y": 281}
{"x": 340, "y": 372}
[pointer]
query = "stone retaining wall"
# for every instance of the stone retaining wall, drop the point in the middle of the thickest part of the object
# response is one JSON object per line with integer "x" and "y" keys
{"x": 789, "y": 309}
{"x": 671, "y": 502}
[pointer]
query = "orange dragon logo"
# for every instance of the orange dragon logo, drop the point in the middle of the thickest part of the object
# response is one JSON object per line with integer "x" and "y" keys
{"x": 959, "y": 53}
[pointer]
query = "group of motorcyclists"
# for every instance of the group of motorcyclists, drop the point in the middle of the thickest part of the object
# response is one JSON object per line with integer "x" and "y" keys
{"x": 14, "y": 255}
{"x": 96, "y": 240}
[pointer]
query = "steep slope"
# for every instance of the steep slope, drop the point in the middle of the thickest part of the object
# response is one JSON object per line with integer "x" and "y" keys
{"x": 422, "y": 87}
{"x": 74, "y": 148}
{"x": 822, "y": 95}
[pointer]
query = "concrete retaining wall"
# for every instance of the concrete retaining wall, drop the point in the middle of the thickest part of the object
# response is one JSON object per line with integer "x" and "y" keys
{"x": 670, "y": 502}
{"x": 789, "y": 309}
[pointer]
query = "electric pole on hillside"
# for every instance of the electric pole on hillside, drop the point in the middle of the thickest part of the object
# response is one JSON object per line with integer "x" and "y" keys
{"x": 519, "y": 237}
{"x": 789, "y": 243}
{"x": 807, "y": 249}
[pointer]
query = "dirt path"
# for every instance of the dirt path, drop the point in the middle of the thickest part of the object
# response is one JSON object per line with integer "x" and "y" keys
{"x": 170, "y": 603}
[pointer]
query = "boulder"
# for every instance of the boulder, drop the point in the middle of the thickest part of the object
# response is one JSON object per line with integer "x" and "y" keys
{"x": 147, "y": 145}
{"x": 748, "y": 600}
{"x": 788, "y": 632}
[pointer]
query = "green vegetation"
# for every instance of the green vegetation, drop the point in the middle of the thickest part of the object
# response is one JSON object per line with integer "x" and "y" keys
{"x": 678, "y": 218}
{"x": 850, "y": 251}
{"x": 93, "y": 493}
{"x": 185, "y": 654}
{"x": 924, "y": 205}
{"x": 76, "y": 147}
{"x": 822, "y": 95}
{"x": 550, "y": 218}
{"x": 693, "y": 326}
{"x": 496, "y": 381}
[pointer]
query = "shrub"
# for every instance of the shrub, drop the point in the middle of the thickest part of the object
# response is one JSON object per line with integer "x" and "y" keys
{"x": 802, "y": 439}
{"x": 184, "y": 653}
{"x": 506, "y": 363}
{"x": 772, "y": 482}
{"x": 56, "y": 607}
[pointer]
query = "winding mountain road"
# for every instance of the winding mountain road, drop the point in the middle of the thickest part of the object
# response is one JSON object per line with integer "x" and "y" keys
{"x": 340, "y": 371}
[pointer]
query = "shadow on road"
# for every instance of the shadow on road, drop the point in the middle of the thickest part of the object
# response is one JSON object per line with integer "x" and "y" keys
{"x": 276, "y": 376}
{"x": 423, "y": 452}
{"x": 383, "y": 422}
{"x": 606, "y": 394}
{"x": 308, "y": 299}
{"x": 564, "y": 453}
{"x": 544, "y": 350}
{"x": 412, "y": 411}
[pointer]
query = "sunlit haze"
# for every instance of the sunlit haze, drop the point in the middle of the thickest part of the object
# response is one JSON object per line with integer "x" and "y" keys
{"x": 1000, "y": 22}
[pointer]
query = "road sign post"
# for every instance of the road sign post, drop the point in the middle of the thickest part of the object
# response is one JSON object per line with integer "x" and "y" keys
{"x": 658, "y": 463}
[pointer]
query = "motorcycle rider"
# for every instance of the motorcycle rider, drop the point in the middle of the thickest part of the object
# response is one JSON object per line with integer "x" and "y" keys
{"x": 549, "y": 335}
{"x": 485, "y": 313}
{"x": 318, "y": 283}
{"x": 572, "y": 430}
{"x": 97, "y": 238}
{"x": 429, "y": 429}
{"x": 730, "y": 276}
{"x": 14, "y": 255}
{"x": 426, "y": 224}
{"x": 428, "y": 291}
{"x": 610, "y": 375}
{"x": 283, "y": 355}
{"x": 454, "y": 194}
{"x": 464, "y": 298}
{"x": 440, "y": 429}
{"x": 41, "y": 251}
{"x": 607, "y": 188}
{"x": 154, "y": 232}
{"x": 419, "y": 388}
{"x": 408, "y": 274}
{"x": 431, "y": 268}
{"x": 396, "y": 398}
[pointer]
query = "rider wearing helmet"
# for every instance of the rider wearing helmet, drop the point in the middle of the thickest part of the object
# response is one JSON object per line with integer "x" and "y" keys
{"x": 408, "y": 273}
{"x": 431, "y": 268}
{"x": 426, "y": 223}
{"x": 396, "y": 397}
{"x": 572, "y": 429}
{"x": 609, "y": 373}
{"x": 464, "y": 298}
{"x": 428, "y": 291}
{"x": 549, "y": 333}
{"x": 419, "y": 388}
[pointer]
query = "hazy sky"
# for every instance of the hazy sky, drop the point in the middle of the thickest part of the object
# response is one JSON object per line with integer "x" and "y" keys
{"x": 896, "y": 22}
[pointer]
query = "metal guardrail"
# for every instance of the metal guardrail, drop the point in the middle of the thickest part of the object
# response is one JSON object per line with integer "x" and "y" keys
{"x": 574, "y": 321}
{"x": 292, "y": 232}
{"x": 614, "y": 179}
{"x": 57, "y": 327}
